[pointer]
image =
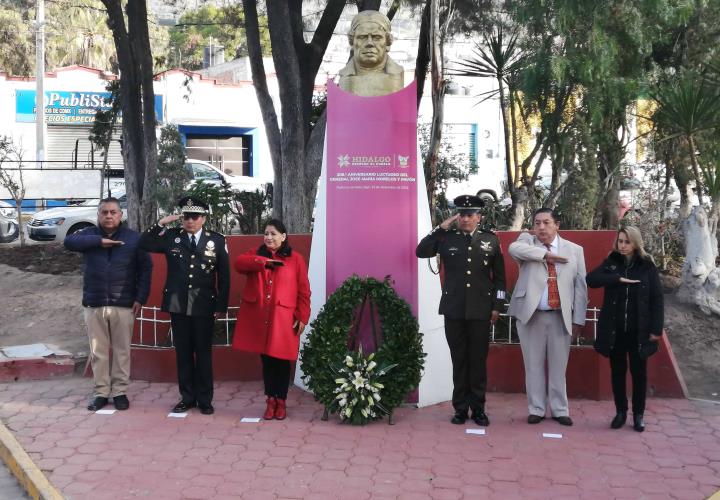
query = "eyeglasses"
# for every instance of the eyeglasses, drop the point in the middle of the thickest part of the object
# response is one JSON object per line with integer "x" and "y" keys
{"x": 191, "y": 216}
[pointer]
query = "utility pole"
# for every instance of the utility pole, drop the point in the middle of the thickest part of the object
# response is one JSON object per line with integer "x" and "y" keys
{"x": 39, "y": 82}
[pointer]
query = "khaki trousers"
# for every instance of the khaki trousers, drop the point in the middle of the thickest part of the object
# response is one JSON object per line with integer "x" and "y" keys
{"x": 110, "y": 326}
{"x": 544, "y": 338}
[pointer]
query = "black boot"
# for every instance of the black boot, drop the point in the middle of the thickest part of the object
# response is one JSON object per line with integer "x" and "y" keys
{"x": 638, "y": 423}
{"x": 619, "y": 420}
{"x": 460, "y": 417}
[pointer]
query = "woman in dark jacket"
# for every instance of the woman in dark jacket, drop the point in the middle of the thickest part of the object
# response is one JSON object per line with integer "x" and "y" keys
{"x": 274, "y": 310}
{"x": 631, "y": 319}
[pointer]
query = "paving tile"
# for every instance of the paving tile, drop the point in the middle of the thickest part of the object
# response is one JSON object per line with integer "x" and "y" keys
{"x": 422, "y": 456}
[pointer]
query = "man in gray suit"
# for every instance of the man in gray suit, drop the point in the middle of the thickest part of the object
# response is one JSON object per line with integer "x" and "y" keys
{"x": 549, "y": 303}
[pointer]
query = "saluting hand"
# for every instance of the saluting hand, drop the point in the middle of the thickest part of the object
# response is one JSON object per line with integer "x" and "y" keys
{"x": 168, "y": 219}
{"x": 553, "y": 258}
{"x": 448, "y": 222}
{"x": 108, "y": 243}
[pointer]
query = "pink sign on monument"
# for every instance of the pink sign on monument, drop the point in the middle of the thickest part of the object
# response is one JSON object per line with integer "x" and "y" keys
{"x": 372, "y": 190}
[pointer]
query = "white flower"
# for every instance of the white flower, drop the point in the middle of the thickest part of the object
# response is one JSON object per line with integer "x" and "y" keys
{"x": 340, "y": 380}
{"x": 343, "y": 402}
{"x": 348, "y": 361}
{"x": 371, "y": 365}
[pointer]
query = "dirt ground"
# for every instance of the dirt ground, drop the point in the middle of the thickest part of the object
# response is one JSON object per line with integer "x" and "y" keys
{"x": 41, "y": 290}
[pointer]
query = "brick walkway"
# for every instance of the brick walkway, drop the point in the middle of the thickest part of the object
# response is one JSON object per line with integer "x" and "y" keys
{"x": 141, "y": 453}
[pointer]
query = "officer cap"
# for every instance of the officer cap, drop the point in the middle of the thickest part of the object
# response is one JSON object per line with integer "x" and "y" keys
{"x": 468, "y": 204}
{"x": 192, "y": 205}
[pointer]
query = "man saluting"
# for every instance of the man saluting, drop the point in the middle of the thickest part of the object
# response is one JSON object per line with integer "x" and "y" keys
{"x": 473, "y": 296}
{"x": 196, "y": 292}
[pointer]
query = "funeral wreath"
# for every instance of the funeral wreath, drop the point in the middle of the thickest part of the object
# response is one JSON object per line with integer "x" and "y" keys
{"x": 363, "y": 388}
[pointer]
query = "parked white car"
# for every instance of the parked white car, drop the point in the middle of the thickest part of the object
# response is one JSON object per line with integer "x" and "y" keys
{"x": 205, "y": 172}
{"x": 56, "y": 223}
{"x": 8, "y": 223}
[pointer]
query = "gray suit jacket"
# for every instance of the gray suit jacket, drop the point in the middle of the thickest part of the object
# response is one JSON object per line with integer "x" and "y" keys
{"x": 529, "y": 253}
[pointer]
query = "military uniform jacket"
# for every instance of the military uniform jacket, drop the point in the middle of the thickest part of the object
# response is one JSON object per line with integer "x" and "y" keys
{"x": 198, "y": 283}
{"x": 474, "y": 282}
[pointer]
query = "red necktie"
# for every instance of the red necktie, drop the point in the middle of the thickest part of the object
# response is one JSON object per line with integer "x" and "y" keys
{"x": 553, "y": 292}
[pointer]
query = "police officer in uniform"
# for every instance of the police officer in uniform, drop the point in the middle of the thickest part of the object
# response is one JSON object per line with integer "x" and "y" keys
{"x": 473, "y": 296}
{"x": 195, "y": 294}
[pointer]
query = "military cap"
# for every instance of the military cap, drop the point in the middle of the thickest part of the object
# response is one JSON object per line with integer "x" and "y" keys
{"x": 192, "y": 205}
{"x": 468, "y": 203}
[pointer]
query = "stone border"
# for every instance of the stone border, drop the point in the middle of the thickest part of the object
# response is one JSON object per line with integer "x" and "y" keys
{"x": 30, "y": 477}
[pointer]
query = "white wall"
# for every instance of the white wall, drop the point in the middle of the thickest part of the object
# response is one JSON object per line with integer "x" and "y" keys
{"x": 197, "y": 102}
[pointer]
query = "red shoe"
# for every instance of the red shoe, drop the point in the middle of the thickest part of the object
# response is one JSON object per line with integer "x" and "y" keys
{"x": 280, "y": 410}
{"x": 270, "y": 409}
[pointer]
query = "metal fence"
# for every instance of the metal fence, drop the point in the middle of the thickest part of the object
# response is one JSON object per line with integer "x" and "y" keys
{"x": 156, "y": 331}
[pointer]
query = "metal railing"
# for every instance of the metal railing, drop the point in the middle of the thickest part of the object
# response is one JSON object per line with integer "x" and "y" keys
{"x": 159, "y": 328}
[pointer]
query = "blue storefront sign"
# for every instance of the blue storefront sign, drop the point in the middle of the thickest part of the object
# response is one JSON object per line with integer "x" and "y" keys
{"x": 68, "y": 108}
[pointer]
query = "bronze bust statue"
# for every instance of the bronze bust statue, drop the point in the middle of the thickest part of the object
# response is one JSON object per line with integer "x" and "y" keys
{"x": 371, "y": 72}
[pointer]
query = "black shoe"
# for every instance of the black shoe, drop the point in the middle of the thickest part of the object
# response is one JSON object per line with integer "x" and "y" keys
{"x": 459, "y": 418}
{"x": 619, "y": 420}
{"x": 535, "y": 419}
{"x": 121, "y": 402}
{"x": 97, "y": 403}
{"x": 563, "y": 420}
{"x": 183, "y": 407}
{"x": 638, "y": 423}
{"x": 207, "y": 409}
{"x": 480, "y": 418}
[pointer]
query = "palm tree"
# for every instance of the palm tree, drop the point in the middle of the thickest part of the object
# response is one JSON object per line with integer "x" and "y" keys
{"x": 498, "y": 57}
{"x": 686, "y": 108}
{"x": 79, "y": 34}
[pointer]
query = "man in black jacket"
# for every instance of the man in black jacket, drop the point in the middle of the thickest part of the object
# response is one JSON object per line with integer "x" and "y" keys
{"x": 473, "y": 296}
{"x": 116, "y": 283}
{"x": 196, "y": 292}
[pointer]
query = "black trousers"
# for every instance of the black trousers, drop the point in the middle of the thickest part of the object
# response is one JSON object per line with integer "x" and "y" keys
{"x": 192, "y": 336}
{"x": 276, "y": 376}
{"x": 469, "y": 341}
{"x": 626, "y": 347}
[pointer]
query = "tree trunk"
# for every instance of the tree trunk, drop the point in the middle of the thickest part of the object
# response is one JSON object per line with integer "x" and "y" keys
{"x": 140, "y": 42}
{"x": 609, "y": 204}
{"x": 696, "y": 169}
{"x": 422, "y": 61}
{"x": 136, "y": 98}
{"x": 700, "y": 278}
{"x": 438, "y": 95}
{"x": 295, "y": 149}
{"x": 520, "y": 201}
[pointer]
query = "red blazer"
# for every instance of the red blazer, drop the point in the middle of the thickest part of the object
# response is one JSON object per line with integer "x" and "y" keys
{"x": 271, "y": 302}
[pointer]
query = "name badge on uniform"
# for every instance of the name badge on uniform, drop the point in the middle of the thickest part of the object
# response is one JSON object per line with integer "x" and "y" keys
{"x": 453, "y": 249}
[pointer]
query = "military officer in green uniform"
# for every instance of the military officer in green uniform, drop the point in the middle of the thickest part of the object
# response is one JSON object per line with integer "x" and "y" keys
{"x": 473, "y": 294}
{"x": 195, "y": 294}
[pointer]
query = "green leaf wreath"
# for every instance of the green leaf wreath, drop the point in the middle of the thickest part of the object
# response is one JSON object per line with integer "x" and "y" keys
{"x": 335, "y": 374}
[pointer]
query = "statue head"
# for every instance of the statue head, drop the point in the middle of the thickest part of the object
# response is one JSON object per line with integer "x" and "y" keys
{"x": 370, "y": 38}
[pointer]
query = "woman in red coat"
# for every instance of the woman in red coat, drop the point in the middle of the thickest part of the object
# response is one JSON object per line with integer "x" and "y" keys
{"x": 274, "y": 310}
